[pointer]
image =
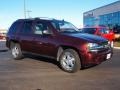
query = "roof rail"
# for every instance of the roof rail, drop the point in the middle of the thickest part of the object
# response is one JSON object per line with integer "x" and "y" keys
{"x": 46, "y": 18}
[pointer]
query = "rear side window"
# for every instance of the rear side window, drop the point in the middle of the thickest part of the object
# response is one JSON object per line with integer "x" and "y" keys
{"x": 26, "y": 27}
{"x": 89, "y": 30}
{"x": 14, "y": 27}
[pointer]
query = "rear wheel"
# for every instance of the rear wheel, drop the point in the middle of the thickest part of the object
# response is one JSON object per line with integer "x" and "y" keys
{"x": 70, "y": 61}
{"x": 16, "y": 51}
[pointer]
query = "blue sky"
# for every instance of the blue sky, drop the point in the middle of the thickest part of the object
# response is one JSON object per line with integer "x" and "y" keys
{"x": 70, "y": 10}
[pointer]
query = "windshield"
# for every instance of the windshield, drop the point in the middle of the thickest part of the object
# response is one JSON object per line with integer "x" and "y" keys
{"x": 65, "y": 27}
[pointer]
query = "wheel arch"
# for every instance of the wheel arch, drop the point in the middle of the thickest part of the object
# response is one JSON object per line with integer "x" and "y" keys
{"x": 12, "y": 42}
{"x": 64, "y": 47}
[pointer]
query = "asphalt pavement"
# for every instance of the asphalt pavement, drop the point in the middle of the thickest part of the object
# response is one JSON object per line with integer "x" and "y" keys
{"x": 38, "y": 73}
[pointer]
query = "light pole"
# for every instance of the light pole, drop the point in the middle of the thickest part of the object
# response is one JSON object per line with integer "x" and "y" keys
{"x": 25, "y": 9}
{"x": 28, "y": 13}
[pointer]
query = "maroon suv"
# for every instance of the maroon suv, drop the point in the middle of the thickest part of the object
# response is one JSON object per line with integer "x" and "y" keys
{"x": 57, "y": 39}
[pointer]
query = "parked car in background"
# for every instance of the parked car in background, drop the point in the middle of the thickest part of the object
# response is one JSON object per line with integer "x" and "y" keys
{"x": 57, "y": 39}
{"x": 101, "y": 31}
{"x": 2, "y": 36}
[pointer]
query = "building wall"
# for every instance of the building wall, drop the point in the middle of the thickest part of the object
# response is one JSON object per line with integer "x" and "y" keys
{"x": 108, "y": 15}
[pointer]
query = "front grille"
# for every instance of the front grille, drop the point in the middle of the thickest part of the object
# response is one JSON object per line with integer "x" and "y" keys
{"x": 104, "y": 47}
{"x": 103, "y": 50}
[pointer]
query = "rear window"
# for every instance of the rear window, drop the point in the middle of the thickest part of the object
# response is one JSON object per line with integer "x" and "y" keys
{"x": 89, "y": 30}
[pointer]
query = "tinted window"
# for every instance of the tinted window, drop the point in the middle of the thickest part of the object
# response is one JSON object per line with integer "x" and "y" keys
{"x": 14, "y": 27}
{"x": 89, "y": 30}
{"x": 27, "y": 27}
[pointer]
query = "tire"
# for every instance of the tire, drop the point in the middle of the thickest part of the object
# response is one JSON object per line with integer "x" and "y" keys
{"x": 16, "y": 51}
{"x": 70, "y": 61}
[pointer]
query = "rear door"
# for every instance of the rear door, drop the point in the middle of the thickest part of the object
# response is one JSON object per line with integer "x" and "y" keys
{"x": 25, "y": 36}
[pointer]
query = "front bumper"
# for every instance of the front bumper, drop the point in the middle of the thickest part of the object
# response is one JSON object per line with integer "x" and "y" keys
{"x": 96, "y": 57}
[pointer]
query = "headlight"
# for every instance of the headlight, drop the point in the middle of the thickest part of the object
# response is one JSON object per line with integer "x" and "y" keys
{"x": 94, "y": 46}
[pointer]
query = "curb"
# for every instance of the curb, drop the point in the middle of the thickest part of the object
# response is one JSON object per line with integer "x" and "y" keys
{"x": 116, "y": 47}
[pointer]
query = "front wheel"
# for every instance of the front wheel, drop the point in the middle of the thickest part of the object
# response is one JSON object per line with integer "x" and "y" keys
{"x": 16, "y": 51}
{"x": 70, "y": 61}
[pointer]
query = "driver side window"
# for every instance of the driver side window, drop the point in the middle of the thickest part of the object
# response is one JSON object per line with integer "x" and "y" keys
{"x": 41, "y": 28}
{"x": 38, "y": 29}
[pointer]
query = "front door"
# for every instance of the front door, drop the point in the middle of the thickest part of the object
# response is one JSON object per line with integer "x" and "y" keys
{"x": 44, "y": 44}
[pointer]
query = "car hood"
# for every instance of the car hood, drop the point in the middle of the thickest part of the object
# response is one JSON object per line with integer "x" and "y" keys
{"x": 88, "y": 37}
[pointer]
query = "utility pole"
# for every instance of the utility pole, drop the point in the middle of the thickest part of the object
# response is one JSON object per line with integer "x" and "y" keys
{"x": 25, "y": 9}
{"x": 28, "y": 12}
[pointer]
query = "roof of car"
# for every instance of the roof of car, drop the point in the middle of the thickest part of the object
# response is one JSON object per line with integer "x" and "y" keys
{"x": 39, "y": 18}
